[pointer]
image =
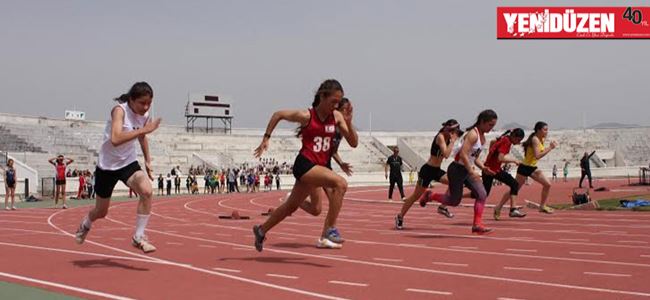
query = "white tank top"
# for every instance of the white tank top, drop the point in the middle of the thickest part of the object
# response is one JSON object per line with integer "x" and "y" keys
{"x": 475, "y": 152}
{"x": 116, "y": 157}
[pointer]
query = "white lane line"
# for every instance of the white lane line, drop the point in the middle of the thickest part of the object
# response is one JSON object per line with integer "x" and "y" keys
{"x": 503, "y": 298}
{"x": 282, "y": 276}
{"x": 389, "y": 233}
{"x": 574, "y": 240}
{"x": 449, "y": 264}
{"x": 227, "y": 270}
{"x": 348, "y": 283}
{"x": 221, "y": 234}
{"x": 646, "y": 256}
{"x": 586, "y": 253}
{"x": 118, "y": 239}
{"x": 523, "y": 269}
{"x": 633, "y": 242}
{"x": 412, "y": 245}
{"x": 64, "y": 286}
{"x": 197, "y": 233}
{"x": 174, "y": 243}
{"x": 429, "y": 292}
{"x": 431, "y": 271}
{"x": 242, "y": 249}
{"x": 464, "y": 247}
{"x": 287, "y": 238}
{"x": 207, "y": 246}
{"x": 607, "y": 274}
{"x": 335, "y": 256}
{"x": 388, "y": 259}
{"x": 522, "y": 250}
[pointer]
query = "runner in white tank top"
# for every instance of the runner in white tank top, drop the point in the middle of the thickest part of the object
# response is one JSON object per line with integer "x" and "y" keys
{"x": 461, "y": 172}
{"x": 118, "y": 161}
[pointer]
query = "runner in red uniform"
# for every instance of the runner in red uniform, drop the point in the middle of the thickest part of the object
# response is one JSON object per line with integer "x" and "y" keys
{"x": 312, "y": 166}
{"x": 60, "y": 163}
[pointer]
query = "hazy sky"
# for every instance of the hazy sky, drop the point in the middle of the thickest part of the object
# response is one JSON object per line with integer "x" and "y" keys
{"x": 412, "y": 64}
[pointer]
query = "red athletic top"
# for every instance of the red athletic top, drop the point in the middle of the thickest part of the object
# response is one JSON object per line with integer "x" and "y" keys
{"x": 317, "y": 138}
{"x": 501, "y": 146}
{"x": 60, "y": 171}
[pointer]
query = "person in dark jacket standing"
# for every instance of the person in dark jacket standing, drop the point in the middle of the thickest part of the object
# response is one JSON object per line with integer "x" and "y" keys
{"x": 586, "y": 170}
{"x": 394, "y": 162}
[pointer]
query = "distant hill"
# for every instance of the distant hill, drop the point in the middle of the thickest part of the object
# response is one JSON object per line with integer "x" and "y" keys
{"x": 514, "y": 125}
{"x": 613, "y": 125}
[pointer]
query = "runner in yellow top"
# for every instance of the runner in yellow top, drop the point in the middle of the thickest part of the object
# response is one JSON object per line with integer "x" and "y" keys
{"x": 534, "y": 151}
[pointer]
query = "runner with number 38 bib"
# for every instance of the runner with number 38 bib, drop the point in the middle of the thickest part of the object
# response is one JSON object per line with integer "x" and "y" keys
{"x": 312, "y": 168}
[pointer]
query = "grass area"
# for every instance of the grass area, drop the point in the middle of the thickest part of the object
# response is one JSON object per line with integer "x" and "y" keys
{"x": 611, "y": 204}
{"x": 19, "y": 292}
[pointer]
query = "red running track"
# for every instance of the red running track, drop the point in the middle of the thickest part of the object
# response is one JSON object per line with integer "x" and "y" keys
{"x": 568, "y": 255}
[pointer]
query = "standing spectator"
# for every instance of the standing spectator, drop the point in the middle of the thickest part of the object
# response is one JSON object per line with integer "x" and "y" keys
{"x": 82, "y": 186}
{"x": 277, "y": 181}
{"x": 565, "y": 170}
{"x": 222, "y": 180}
{"x": 213, "y": 183}
{"x": 92, "y": 185}
{"x": 10, "y": 184}
{"x": 60, "y": 163}
{"x": 169, "y": 184}
{"x": 206, "y": 187}
{"x": 188, "y": 183}
{"x": 161, "y": 185}
{"x": 177, "y": 184}
{"x": 554, "y": 173}
{"x": 132, "y": 192}
{"x": 267, "y": 182}
{"x": 411, "y": 176}
{"x": 586, "y": 168}
{"x": 231, "y": 181}
{"x": 394, "y": 162}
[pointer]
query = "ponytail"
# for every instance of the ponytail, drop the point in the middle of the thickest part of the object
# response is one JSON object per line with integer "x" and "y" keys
{"x": 529, "y": 141}
{"x": 139, "y": 89}
{"x": 485, "y": 116}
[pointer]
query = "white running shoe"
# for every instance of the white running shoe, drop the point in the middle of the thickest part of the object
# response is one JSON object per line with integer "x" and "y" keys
{"x": 326, "y": 243}
{"x": 143, "y": 244}
{"x": 81, "y": 234}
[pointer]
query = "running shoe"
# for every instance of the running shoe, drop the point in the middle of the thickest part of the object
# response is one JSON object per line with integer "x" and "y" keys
{"x": 516, "y": 213}
{"x": 546, "y": 209}
{"x": 259, "y": 237}
{"x": 334, "y": 235}
{"x": 481, "y": 230}
{"x": 497, "y": 213}
{"x": 399, "y": 222}
{"x": 143, "y": 244}
{"x": 445, "y": 212}
{"x": 327, "y": 244}
{"x": 81, "y": 234}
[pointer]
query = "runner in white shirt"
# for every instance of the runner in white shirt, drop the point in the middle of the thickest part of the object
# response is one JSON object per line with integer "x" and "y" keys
{"x": 118, "y": 161}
